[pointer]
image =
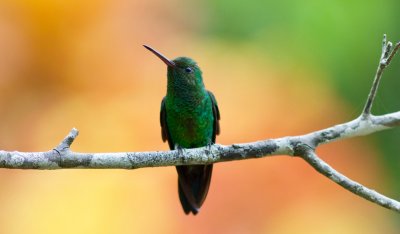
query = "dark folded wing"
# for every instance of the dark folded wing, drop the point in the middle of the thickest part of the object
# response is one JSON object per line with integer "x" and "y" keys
{"x": 216, "y": 114}
{"x": 164, "y": 127}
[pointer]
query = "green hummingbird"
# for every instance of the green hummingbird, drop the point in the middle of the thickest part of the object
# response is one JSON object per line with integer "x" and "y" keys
{"x": 189, "y": 118}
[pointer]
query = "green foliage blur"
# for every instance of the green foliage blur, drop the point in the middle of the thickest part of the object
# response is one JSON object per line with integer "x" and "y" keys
{"x": 341, "y": 38}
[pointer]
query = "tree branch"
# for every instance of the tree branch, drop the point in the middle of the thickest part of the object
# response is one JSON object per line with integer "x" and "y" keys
{"x": 302, "y": 146}
{"x": 62, "y": 157}
{"x": 322, "y": 167}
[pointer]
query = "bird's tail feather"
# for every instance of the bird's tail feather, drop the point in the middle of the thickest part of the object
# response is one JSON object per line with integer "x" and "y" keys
{"x": 193, "y": 184}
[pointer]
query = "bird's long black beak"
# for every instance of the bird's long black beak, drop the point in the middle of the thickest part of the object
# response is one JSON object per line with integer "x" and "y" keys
{"x": 169, "y": 63}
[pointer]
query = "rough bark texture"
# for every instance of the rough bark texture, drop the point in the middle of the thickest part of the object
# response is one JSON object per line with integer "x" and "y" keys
{"x": 62, "y": 157}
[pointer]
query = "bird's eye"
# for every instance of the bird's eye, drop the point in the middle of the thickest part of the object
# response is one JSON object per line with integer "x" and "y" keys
{"x": 188, "y": 70}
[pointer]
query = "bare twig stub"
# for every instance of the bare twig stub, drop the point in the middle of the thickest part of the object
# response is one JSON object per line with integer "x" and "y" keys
{"x": 302, "y": 146}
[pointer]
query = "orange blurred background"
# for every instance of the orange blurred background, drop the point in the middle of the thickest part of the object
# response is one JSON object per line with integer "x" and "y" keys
{"x": 81, "y": 64}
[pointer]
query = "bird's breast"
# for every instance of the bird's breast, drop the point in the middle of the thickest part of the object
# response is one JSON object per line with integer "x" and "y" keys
{"x": 190, "y": 125}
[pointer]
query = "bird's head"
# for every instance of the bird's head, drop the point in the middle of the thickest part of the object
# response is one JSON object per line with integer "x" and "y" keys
{"x": 182, "y": 70}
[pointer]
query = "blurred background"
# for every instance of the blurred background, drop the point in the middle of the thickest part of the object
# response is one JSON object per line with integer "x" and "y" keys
{"x": 277, "y": 68}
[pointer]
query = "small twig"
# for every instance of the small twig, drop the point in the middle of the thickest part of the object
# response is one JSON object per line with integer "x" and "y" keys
{"x": 394, "y": 51}
{"x": 386, "y": 57}
{"x": 65, "y": 144}
{"x": 322, "y": 167}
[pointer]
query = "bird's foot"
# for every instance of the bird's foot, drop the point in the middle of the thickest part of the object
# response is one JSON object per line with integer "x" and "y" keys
{"x": 209, "y": 145}
{"x": 180, "y": 152}
{"x": 208, "y": 149}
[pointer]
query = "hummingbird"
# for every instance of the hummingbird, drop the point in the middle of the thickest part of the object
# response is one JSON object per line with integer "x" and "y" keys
{"x": 189, "y": 118}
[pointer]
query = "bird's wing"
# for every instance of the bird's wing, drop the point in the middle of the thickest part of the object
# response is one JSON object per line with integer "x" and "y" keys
{"x": 164, "y": 127}
{"x": 216, "y": 114}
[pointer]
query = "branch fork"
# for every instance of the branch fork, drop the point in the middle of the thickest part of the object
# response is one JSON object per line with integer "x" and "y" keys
{"x": 386, "y": 57}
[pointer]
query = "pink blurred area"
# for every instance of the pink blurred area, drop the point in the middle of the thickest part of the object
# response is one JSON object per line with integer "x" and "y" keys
{"x": 81, "y": 64}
